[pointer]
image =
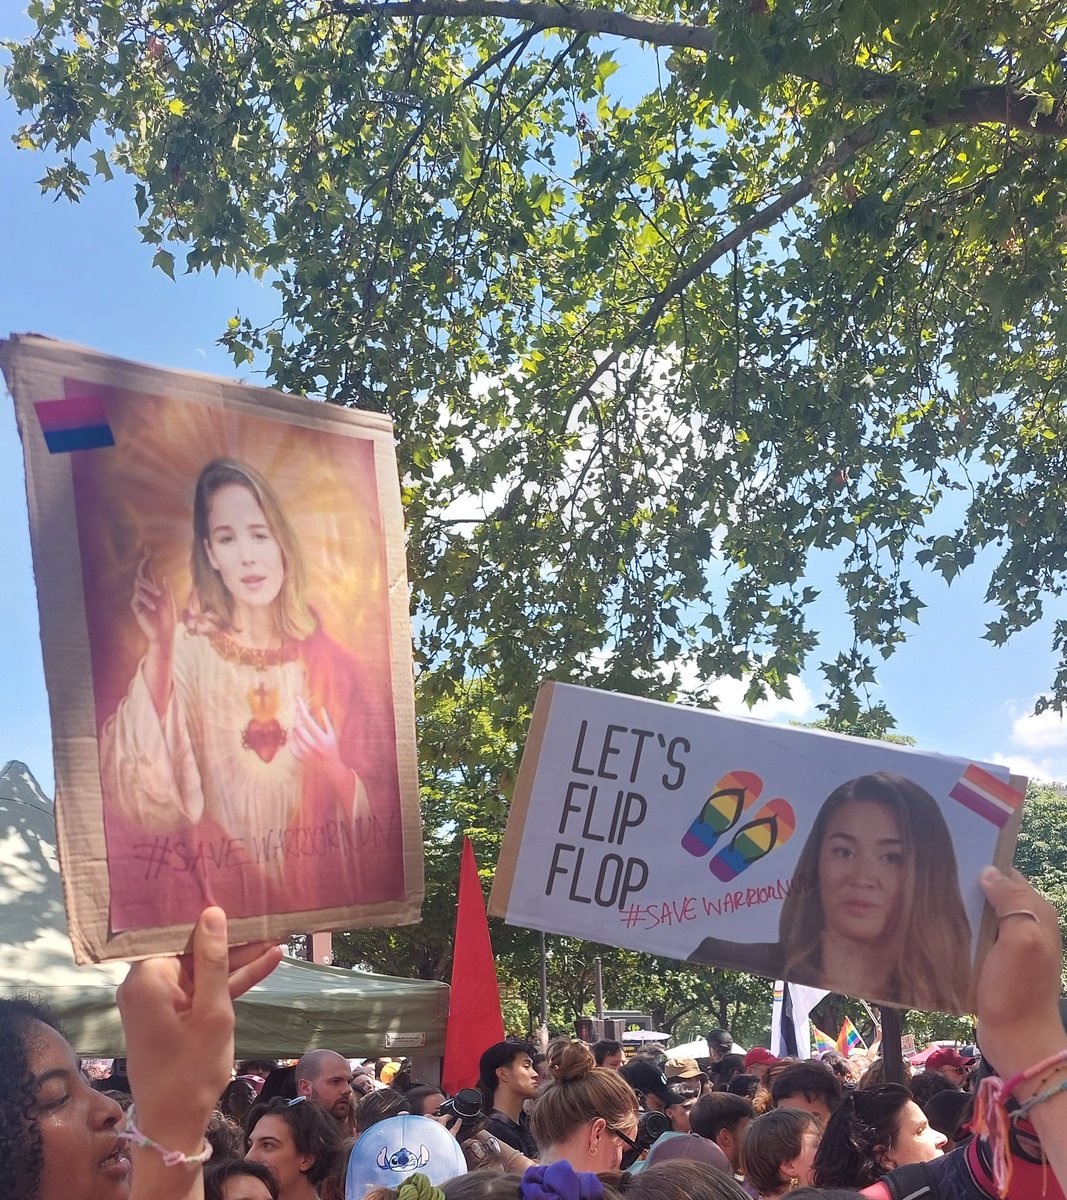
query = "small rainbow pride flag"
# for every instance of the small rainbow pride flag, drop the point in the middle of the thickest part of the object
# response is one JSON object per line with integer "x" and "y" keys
{"x": 76, "y": 423}
{"x": 849, "y": 1038}
{"x": 823, "y": 1041}
{"x": 988, "y": 796}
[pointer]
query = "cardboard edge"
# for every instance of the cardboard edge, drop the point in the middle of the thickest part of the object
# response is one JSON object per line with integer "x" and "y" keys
{"x": 401, "y": 665}
{"x": 34, "y": 357}
{"x": 504, "y": 877}
{"x": 1003, "y": 855}
{"x": 129, "y": 946}
{"x": 222, "y": 390}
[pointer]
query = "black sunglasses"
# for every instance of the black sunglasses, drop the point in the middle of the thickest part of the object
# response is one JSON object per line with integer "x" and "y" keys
{"x": 623, "y": 1137}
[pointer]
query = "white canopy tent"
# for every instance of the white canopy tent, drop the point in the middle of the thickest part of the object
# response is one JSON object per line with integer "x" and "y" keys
{"x": 300, "y": 1006}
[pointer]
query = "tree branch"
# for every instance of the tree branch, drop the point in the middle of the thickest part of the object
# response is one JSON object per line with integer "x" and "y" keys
{"x": 992, "y": 104}
{"x": 843, "y": 150}
{"x": 544, "y": 16}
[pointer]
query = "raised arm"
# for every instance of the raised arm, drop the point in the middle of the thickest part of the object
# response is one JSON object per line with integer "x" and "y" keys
{"x": 179, "y": 1022}
{"x": 1019, "y": 1023}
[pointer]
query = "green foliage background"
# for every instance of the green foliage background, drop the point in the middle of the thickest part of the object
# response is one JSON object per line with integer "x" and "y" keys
{"x": 675, "y": 306}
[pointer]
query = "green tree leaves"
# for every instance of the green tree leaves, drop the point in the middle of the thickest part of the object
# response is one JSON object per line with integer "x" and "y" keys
{"x": 664, "y": 318}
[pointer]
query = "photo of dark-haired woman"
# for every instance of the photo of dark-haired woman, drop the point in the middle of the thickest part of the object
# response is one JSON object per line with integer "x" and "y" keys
{"x": 876, "y": 908}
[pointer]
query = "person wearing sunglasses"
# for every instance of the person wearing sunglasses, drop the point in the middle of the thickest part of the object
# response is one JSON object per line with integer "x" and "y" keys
{"x": 298, "y": 1141}
{"x": 587, "y": 1117}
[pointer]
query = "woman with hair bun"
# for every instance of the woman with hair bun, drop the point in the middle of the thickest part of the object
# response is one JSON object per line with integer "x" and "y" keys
{"x": 588, "y": 1117}
{"x": 872, "y": 1131}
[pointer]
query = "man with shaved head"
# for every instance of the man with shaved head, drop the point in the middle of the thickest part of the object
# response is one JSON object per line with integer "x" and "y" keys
{"x": 325, "y": 1077}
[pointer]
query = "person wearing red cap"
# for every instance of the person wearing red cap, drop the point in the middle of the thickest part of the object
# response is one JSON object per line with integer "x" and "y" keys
{"x": 951, "y": 1065}
{"x": 758, "y": 1061}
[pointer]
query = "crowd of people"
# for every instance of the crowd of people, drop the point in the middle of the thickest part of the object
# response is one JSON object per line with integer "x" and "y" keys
{"x": 577, "y": 1122}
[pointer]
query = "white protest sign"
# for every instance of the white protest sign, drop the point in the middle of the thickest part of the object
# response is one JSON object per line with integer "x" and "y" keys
{"x": 834, "y": 862}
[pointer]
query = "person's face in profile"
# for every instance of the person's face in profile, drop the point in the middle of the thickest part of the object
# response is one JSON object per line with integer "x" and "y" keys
{"x": 916, "y": 1140}
{"x": 863, "y": 864}
{"x": 241, "y": 546}
{"x": 271, "y": 1143}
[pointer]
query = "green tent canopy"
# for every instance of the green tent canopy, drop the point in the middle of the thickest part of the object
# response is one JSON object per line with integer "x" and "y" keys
{"x": 300, "y": 1006}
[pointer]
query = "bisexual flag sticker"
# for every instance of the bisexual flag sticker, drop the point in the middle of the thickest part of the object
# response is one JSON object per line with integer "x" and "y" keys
{"x": 76, "y": 423}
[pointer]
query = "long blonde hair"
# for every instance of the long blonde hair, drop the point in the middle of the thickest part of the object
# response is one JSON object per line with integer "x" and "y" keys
{"x": 210, "y": 602}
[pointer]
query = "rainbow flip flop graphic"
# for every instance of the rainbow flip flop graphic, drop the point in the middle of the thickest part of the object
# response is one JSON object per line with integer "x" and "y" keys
{"x": 732, "y": 796}
{"x": 770, "y": 828}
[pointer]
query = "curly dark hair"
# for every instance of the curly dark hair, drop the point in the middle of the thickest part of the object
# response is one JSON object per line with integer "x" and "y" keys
{"x": 20, "y": 1137}
{"x": 858, "y": 1136}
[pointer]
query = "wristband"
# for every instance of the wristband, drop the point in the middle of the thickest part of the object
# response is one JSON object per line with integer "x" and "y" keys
{"x": 171, "y": 1158}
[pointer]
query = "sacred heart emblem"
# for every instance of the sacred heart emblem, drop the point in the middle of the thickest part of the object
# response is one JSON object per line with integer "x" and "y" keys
{"x": 266, "y": 738}
{"x": 263, "y": 734}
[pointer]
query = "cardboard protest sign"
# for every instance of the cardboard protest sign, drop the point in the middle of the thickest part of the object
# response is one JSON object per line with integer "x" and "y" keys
{"x": 223, "y": 603}
{"x": 832, "y": 862}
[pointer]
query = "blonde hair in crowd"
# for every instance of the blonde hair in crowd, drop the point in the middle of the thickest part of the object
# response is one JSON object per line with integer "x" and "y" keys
{"x": 581, "y": 1092}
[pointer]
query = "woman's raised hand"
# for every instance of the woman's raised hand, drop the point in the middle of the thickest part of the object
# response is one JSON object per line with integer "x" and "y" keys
{"x": 1019, "y": 984}
{"x": 152, "y": 604}
{"x": 178, "y": 1017}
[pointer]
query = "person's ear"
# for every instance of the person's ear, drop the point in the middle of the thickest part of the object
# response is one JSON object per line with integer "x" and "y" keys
{"x": 597, "y": 1129}
{"x": 303, "y": 1087}
{"x": 305, "y": 1162}
{"x": 790, "y": 1172}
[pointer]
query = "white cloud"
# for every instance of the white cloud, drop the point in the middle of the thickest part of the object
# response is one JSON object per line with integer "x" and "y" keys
{"x": 795, "y": 707}
{"x": 1020, "y": 765}
{"x": 730, "y": 694}
{"x": 1037, "y": 747}
{"x": 1043, "y": 732}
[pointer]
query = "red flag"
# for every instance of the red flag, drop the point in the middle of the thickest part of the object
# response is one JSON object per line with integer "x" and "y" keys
{"x": 474, "y": 1018}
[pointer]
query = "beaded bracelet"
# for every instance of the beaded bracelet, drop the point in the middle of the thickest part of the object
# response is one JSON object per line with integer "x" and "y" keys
{"x": 1054, "y": 1060}
{"x": 1038, "y": 1098}
{"x": 992, "y": 1120}
{"x": 171, "y": 1158}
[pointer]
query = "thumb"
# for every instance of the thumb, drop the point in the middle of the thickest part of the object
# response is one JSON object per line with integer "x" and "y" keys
{"x": 210, "y": 960}
{"x": 1005, "y": 891}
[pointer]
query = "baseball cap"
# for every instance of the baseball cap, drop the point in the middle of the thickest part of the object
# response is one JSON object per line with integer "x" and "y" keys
{"x": 392, "y": 1150}
{"x": 682, "y": 1145}
{"x": 759, "y": 1057}
{"x": 949, "y": 1057}
{"x": 683, "y": 1068}
{"x": 647, "y": 1078}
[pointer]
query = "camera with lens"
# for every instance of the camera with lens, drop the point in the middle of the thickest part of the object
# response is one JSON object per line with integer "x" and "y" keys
{"x": 466, "y": 1104}
{"x": 650, "y": 1126}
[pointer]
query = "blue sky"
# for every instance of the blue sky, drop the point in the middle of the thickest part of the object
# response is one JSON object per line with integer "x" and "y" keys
{"x": 80, "y": 273}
